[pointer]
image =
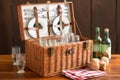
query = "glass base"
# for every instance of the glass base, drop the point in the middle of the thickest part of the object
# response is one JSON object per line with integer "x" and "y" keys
{"x": 21, "y": 71}
{"x": 14, "y": 63}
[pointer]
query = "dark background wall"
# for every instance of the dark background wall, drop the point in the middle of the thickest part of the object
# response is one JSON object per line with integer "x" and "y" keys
{"x": 88, "y": 13}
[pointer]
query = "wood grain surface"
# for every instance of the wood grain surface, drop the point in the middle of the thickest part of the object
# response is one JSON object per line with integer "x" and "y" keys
{"x": 9, "y": 72}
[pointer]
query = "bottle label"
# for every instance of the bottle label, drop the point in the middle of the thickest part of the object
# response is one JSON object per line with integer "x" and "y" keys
{"x": 106, "y": 50}
{"x": 96, "y": 47}
{"x": 97, "y": 51}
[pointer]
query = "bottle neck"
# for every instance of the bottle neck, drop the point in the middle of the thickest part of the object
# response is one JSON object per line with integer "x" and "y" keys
{"x": 106, "y": 35}
{"x": 97, "y": 34}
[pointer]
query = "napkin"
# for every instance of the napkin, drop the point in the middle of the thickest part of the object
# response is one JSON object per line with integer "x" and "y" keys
{"x": 83, "y": 74}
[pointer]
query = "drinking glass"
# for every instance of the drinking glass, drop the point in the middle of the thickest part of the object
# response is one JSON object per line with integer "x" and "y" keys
{"x": 71, "y": 37}
{"x": 76, "y": 38}
{"x": 15, "y": 52}
{"x": 64, "y": 39}
{"x": 43, "y": 42}
{"x": 59, "y": 40}
{"x": 21, "y": 62}
{"x": 53, "y": 42}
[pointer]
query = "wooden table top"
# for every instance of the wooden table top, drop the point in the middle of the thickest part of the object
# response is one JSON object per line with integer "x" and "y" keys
{"x": 9, "y": 72}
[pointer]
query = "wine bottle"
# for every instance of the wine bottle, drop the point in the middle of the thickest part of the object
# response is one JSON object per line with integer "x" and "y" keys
{"x": 97, "y": 44}
{"x": 106, "y": 44}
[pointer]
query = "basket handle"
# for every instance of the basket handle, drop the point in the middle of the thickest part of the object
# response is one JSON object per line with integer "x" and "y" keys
{"x": 76, "y": 24}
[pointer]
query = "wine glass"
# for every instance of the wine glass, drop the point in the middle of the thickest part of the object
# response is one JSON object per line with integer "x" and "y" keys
{"x": 21, "y": 62}
{"x": 15, "y": 52}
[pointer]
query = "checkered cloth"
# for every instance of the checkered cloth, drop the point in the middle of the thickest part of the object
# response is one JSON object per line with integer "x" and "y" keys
{"x": 83, "y": 74}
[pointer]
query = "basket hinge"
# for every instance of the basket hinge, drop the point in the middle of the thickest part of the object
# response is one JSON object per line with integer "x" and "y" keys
{"x": 85, "y": 45}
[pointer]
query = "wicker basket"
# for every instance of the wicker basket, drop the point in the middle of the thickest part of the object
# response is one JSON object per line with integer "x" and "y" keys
{"x": 51, "y": 60}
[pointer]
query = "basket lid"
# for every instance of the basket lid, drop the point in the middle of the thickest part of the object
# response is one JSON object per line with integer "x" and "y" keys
{"x": 49, "y": 19}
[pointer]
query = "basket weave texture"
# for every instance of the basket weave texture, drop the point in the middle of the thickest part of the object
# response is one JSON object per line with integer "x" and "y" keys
{"x": 50, "y": 61}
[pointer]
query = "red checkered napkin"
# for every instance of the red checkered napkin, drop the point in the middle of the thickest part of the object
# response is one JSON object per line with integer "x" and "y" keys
{"x": 83, "y": 74}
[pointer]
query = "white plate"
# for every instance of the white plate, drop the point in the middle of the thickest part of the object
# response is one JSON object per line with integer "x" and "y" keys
{"x": 42, "y": 32}
{"x": 66, "y": 28}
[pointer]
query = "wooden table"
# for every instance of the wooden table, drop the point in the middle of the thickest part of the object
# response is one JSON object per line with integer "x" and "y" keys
{"x": 9, "y": 72}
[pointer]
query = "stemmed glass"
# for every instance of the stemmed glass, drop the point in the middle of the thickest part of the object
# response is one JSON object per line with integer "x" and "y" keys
{"x": 15, "y": 52}
{"x": 21, "y": 62}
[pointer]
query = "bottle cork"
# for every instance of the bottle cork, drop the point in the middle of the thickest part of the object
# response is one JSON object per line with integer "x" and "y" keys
{"x": 106, "y": 30}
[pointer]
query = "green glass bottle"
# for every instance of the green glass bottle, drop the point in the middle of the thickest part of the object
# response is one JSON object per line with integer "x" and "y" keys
{"x": 97, "y": 44}
{"x": 106, "y": 44}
